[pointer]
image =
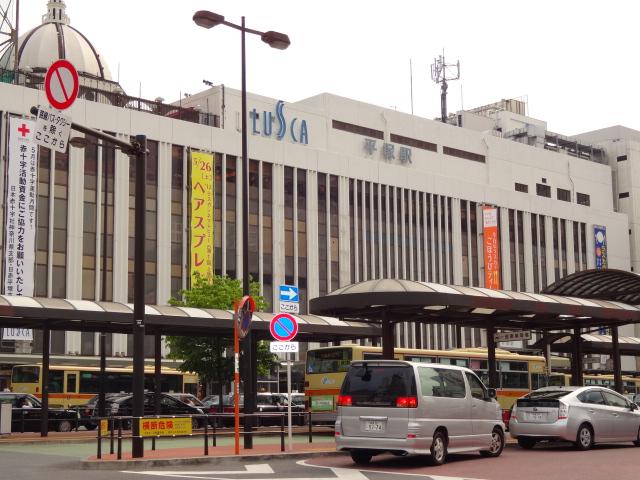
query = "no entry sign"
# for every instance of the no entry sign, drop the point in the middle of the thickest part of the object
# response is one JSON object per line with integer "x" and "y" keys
{"x": 283, "y": 327}
{"x": 61, "y": 84}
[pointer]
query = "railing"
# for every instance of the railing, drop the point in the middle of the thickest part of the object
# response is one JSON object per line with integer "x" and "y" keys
{"x": 110, "y": 93}
{"x": 210, "y": 431}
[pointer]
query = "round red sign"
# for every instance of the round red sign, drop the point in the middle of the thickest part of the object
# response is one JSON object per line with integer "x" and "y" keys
{"x": 283, "y": 327}
{"x": 244, "y": 313}
{"x": 61, "y": 84}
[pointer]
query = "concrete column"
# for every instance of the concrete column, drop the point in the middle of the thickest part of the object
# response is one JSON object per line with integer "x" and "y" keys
{"x": 312, "y": 234}
{"x": 571, "y": 258}
{"x": 344, "y": 231}
{"x": 456, "y": 241}
{"x": 548, "y": 230}
{"x": 528, "y": 253}
{"x": 75, "y": 215}
{"x": 121, "y": 228}
{"x": 163, "y": 265}
{"x": 278, "y": 231}
{"x": 505, "y": 249}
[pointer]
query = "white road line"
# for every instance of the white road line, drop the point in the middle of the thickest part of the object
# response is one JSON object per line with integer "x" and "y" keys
{"x": 340, "y": 472}
{"x": 259, "y": 468}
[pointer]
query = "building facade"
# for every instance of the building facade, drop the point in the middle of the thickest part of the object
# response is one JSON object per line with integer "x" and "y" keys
{"x": 339, "y": 191}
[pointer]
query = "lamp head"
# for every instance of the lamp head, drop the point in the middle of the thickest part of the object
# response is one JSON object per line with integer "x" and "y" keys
{"x": 207, "y": 19}
{"x": 276, "y": 40}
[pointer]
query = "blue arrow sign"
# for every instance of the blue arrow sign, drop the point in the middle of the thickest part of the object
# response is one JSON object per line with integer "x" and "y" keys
{"x": 289, "y": 293}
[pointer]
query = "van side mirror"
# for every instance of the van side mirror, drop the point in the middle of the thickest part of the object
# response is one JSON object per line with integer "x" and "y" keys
{"x": 633, "y": 406}
{"x": 491, "y": 393}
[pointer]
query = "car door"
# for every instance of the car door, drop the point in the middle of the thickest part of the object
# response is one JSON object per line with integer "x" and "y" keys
{"x": 600, "y": 415}
{"x": 483, "y": 411}
{"x": 625, "y": 421}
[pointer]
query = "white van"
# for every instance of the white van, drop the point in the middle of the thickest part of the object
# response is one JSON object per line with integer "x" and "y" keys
{"x": 416, "y": 408}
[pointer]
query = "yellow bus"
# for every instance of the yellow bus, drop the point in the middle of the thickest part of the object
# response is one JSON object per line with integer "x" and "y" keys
{"x": 74, "y": 385}
{"x": 629, "y": 384}
{"x": 326, "y": 368}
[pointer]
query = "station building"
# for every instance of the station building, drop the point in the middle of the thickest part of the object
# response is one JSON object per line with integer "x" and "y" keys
{"x": 340, "y": 191}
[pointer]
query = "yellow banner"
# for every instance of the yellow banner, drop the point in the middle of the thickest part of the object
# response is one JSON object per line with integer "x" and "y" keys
{"x": 202, "y": 183}
{"x": 159, "y": 427}
{"x": 104, "y": 427}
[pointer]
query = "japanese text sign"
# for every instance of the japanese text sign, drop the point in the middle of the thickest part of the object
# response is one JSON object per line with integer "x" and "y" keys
{"x": 491, "y": 248}
{"x": 159, "y": 427}
{"x": 202, "y": 182}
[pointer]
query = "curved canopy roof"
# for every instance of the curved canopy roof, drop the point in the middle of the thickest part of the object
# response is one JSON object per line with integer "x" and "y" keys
{"x": 84, "y": 315}
{"x": 609, "y": 284}
{"x": 407, "y": 300}
{"x": 591, "y": 344}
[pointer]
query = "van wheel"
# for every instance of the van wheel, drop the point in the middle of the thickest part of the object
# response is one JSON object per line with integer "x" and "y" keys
{"x": 527, "y": 443}
{"x": 584, "y": 439}
{"x": 361, "y": 457}
{"x": 497, "y": 444}
{"x": 438, "y": 449}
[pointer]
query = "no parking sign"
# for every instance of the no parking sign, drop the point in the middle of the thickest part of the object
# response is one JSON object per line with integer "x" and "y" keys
{"x": 283, "y": 327}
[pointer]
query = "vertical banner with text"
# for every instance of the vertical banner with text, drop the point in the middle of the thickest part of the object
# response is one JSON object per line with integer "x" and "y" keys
{"x": 22, "y": 182}
{"x": 600, "y": 236}
{"x": 491, "y": 248}
{"x": 202, "y": 207}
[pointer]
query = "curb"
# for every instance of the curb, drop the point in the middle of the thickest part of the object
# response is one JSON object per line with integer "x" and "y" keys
{"x": 165, "y": 462}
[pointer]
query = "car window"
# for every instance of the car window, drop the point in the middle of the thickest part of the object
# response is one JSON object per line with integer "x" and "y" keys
{"x": 477, "y": 389}
{"x": 441, "y": 382}
{"x": 378, "y": 385}
{"x": 615, "y": 400}
{"x": 168, "y": 401}
{"x": 592, "y": 396}
{"x": 548, "y": 394}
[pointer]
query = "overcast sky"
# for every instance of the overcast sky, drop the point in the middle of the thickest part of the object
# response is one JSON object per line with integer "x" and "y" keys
{"x": 577, "y": 62}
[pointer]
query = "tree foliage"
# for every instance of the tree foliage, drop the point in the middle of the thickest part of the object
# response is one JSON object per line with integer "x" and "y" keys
{"x": 212, "y": 357}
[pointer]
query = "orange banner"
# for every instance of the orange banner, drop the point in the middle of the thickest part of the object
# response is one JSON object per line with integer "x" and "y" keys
{"x": 491, "y": 248}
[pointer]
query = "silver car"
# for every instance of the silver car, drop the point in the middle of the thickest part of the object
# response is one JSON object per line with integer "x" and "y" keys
{"x": 582, "y": 415}
{"x": 416, "y": 408}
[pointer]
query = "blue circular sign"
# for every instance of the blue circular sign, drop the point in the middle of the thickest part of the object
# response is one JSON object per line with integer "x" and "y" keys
{"x": 283, "y": 327}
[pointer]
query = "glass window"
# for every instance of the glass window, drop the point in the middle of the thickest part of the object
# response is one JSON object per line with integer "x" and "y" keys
{"x": 458, "y": 362}
{"x": 25, "y": 375}
{"x": 420, "y": 358}
{"x": 56, "y": 378}
{"x": 378, "y": 385}
{"x": 539, "y": 380}
{"x": 476, "y": 386}
{"x": 329, "y": 361}
{"x": 71, "y": 383}
{"x": 615, "y": 400}
{"x": 440, "y": 382}
{"x": 592, "y": 396}
{"x": 514, "y": 380}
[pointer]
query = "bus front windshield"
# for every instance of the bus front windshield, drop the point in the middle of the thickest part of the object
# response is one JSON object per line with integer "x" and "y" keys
{"x": 328, "y": 361}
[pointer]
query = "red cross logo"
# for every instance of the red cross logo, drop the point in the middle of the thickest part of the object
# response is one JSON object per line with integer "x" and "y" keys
{"x": 24, "y": 130}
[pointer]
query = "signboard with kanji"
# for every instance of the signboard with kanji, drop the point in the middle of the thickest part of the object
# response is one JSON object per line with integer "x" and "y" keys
{"x": 491, "y": 248}
{"x": 162, "y": 427}
{"x": 52, "y": 129}
{"x": 20, "y": 226}
{"x": 202, "y": 171}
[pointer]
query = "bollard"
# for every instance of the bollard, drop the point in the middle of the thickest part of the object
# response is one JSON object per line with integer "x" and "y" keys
{"x": 119, "y": 439}
{"x": 22, "y": 421}
{"x": 310, "y": 429}
{"x": 111, "y": 434}
{"x": 153, "y": 443}
{"x": 282, "y": 433}
{"x": 206, "y": 437}
{"x": 99, "y": 453}
{"x": 215, "y": 423}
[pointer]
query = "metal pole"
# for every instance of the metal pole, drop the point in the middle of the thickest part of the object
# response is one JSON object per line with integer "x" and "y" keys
{"x": 102, "y": 387}
{"x": 44, "y": 416}
{"x": 576, "y": 377}
{"x": 236, "y": 386}
{"x": 16, "y": 58}
{"x": 137, "y": 442}
{"x": 387, "y": 339}
{"x": 288, "y": 355}
{"x": 491, "y": 356}
{"x": 249, "y": 358}
{"x": 617, "y": 368}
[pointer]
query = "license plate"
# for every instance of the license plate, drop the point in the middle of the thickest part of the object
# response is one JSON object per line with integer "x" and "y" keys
{"x": 536, "y": 416}
{"x": 374, "y": 426}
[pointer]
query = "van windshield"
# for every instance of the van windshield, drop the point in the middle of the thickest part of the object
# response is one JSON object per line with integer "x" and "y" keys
{"x": 378, "y": 385}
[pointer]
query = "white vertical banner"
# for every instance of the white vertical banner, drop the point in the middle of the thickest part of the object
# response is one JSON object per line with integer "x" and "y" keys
{"x": 22, "y": 183}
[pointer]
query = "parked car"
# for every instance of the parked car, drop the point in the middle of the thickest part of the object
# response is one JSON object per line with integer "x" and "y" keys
{"x": 189, "y": 399}
{"x": 122, "y": 405}
{"x": 211, "y": 402}
{"x": 89, "y": 411}
{"x": 29, "y": 407}
{"x": 582, "y": 415}
{"x": 416, "y": 408}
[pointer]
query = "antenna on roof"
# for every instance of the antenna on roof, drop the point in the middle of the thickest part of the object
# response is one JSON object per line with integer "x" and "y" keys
{"x": 443, "y": 72}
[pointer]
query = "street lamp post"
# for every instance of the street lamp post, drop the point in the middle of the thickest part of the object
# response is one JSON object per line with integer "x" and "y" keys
{"x": 206, "y": 19}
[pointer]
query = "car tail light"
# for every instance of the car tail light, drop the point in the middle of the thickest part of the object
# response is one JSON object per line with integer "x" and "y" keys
{"x": 411, "y": 435}
{"x": 514, "y": 414}
{"x": 407, "y": 402}
{"x": 506, "y": 416}
{"x": 344, "y": 400}
{"x": 563, "y": 411}
{"x": 212, "y": 409}
{"x": 87, "y": 411}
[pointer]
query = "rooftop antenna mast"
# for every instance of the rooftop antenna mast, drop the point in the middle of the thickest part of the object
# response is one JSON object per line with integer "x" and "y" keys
{"x": 443, "y": 72}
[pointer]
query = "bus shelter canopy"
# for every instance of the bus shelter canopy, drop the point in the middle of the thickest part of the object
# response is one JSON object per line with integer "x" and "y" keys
{"x": 397, "y": 300}
{"x": 608, "y": 284}
{"x": 84, "y": 315}
{"x": 591, "y": 344}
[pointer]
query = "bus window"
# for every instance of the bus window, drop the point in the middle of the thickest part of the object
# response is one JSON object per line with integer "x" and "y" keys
{"x": 25, "y": 374}
{"x": 459, "y": 362}
{"x": 71, "y": 383}
{"x": 421, "y": 359}
{"x": 514, "y": 375}
{"x": 56, "y": 379}
{"x": 538, "y": 380}
{"x": 556, "y": 380}
{"x": 372, "y": 356}
{"x": 328, "y": 361}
